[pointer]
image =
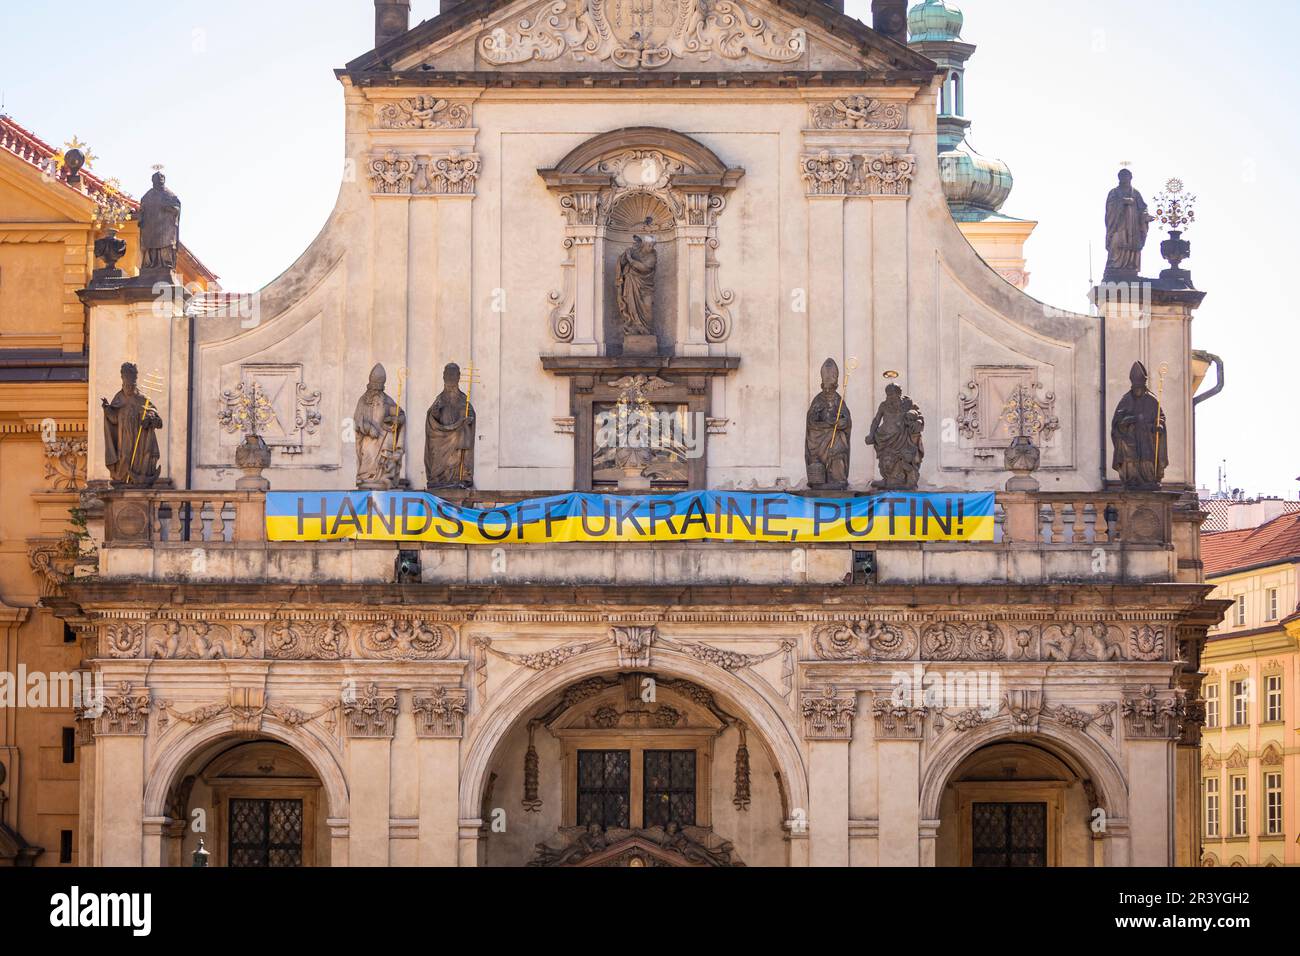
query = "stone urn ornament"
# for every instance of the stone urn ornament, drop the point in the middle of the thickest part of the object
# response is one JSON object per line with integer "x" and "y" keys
{"x": 1021, "y": 458}
{"x": 1176, "y": 211}
{"x": 252, "y": 457}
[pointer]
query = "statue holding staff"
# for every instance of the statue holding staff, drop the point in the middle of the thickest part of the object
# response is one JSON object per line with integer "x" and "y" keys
{"x": 131, "y": 424}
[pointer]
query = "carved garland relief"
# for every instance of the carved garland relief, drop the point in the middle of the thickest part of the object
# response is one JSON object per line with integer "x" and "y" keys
{"x": 867, "y": 640}
{"x": 422, "y": 112}
{"x": 857, "y": 112}
{"x": 391, "y": 639}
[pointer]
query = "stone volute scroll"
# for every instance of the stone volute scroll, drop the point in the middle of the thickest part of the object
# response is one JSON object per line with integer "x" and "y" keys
{"x": 897, "y": 434}
{"x": 449, "y": 430}
{"x": 131, "y": 424}
{"x": 380, "y": 429}
{"x": 829, "y": 427}
{"x": 1139, "y": 434}
{"x": 640, "y": 208}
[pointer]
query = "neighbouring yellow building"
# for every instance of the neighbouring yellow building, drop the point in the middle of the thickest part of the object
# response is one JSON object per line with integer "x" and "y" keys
{"x": 52, "y": 212}
{"x": 1250, "y": 751}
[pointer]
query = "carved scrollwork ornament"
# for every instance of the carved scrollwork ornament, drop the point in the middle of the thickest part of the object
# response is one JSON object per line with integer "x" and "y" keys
{"x": 422, "y": 112}
{"x": 828, "y": 714}
{"x": 864, "y": 640}
{"x": 697, "y": 30}
{"x": 372, "y": 713}
{"x": 441, "y": 713}
{"x": 857, "y": 112}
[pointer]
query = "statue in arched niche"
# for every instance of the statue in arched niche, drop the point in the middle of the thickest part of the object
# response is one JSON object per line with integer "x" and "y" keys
{"x": 635, "y": 286}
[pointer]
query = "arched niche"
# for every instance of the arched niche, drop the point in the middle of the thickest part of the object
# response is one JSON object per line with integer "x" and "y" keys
{"x": 496, "y": 741}
{"x": 607, "y": 188}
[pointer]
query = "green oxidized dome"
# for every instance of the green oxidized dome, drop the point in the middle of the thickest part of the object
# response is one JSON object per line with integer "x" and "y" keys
{"x": 935, "y": 20}
{"x": 975, "y": 186}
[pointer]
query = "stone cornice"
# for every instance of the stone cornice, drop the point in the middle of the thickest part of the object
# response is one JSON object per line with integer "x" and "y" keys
{"x": 578, "y": 82}
{"x": 1187, "y": 602}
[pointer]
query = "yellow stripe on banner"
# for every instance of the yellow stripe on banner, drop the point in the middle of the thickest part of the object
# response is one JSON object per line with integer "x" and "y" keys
{"x": 598, "y": 528}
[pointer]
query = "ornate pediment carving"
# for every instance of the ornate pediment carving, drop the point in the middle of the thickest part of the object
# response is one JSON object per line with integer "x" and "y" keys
{"x": 642, "y": 34}
{"x": 653, "y": 846}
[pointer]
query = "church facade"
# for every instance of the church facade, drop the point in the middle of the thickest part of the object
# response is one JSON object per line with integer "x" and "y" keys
{"x": 723, "y": 222}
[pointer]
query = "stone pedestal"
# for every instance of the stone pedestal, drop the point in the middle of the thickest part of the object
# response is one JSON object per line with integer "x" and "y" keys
{"x": 640, "y": 345}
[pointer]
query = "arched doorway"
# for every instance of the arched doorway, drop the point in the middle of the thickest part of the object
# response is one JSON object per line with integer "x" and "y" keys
{"x": 253, "y": 803}
{"x": 1017, "y": 803}
{"x": 632, "y": 768}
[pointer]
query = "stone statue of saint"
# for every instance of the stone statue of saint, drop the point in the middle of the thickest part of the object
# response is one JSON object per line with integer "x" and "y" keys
{"x": 449, "y": 435}
{"x": 634, "y": 289}
{"x": 897, "y": 432}
{"x": 1127, "y": 224}
{"x": 826, "y": 445}
{"x": 1138, "y": 432}
{"x": 380, "y": 428}
{"x": 160, "y": 224}
{"x": 131, "y": 424}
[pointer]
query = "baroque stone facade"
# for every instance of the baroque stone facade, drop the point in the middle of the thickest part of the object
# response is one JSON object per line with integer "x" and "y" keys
{"x": 665, "y": 702}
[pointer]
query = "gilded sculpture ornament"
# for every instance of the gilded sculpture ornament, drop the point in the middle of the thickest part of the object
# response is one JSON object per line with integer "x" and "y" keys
{"x": 245, "y": 408}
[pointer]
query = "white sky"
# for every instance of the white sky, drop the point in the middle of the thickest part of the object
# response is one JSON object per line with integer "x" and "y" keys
{"x": 237, "y": 99}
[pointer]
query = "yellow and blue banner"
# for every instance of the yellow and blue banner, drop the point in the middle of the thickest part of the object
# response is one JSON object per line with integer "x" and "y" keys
{"x": 691, "y": 516}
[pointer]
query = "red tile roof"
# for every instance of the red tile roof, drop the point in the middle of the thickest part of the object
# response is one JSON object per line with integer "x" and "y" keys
{"x": 19, "y": 141}
{"x": 30, "y": 148}
{"x": 1275, "y": 542}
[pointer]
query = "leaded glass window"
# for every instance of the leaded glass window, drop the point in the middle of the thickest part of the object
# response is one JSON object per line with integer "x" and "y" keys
{"x": 604, "y": 787}
{"x": 669, "y": 788}
{"x": 1009, "y": 834}
{"x": 266, "y": 833}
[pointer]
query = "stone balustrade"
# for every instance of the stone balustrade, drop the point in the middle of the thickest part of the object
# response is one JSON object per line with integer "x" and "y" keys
{"x": 147, "y": 517}
{"x": 1040, "y": 538}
